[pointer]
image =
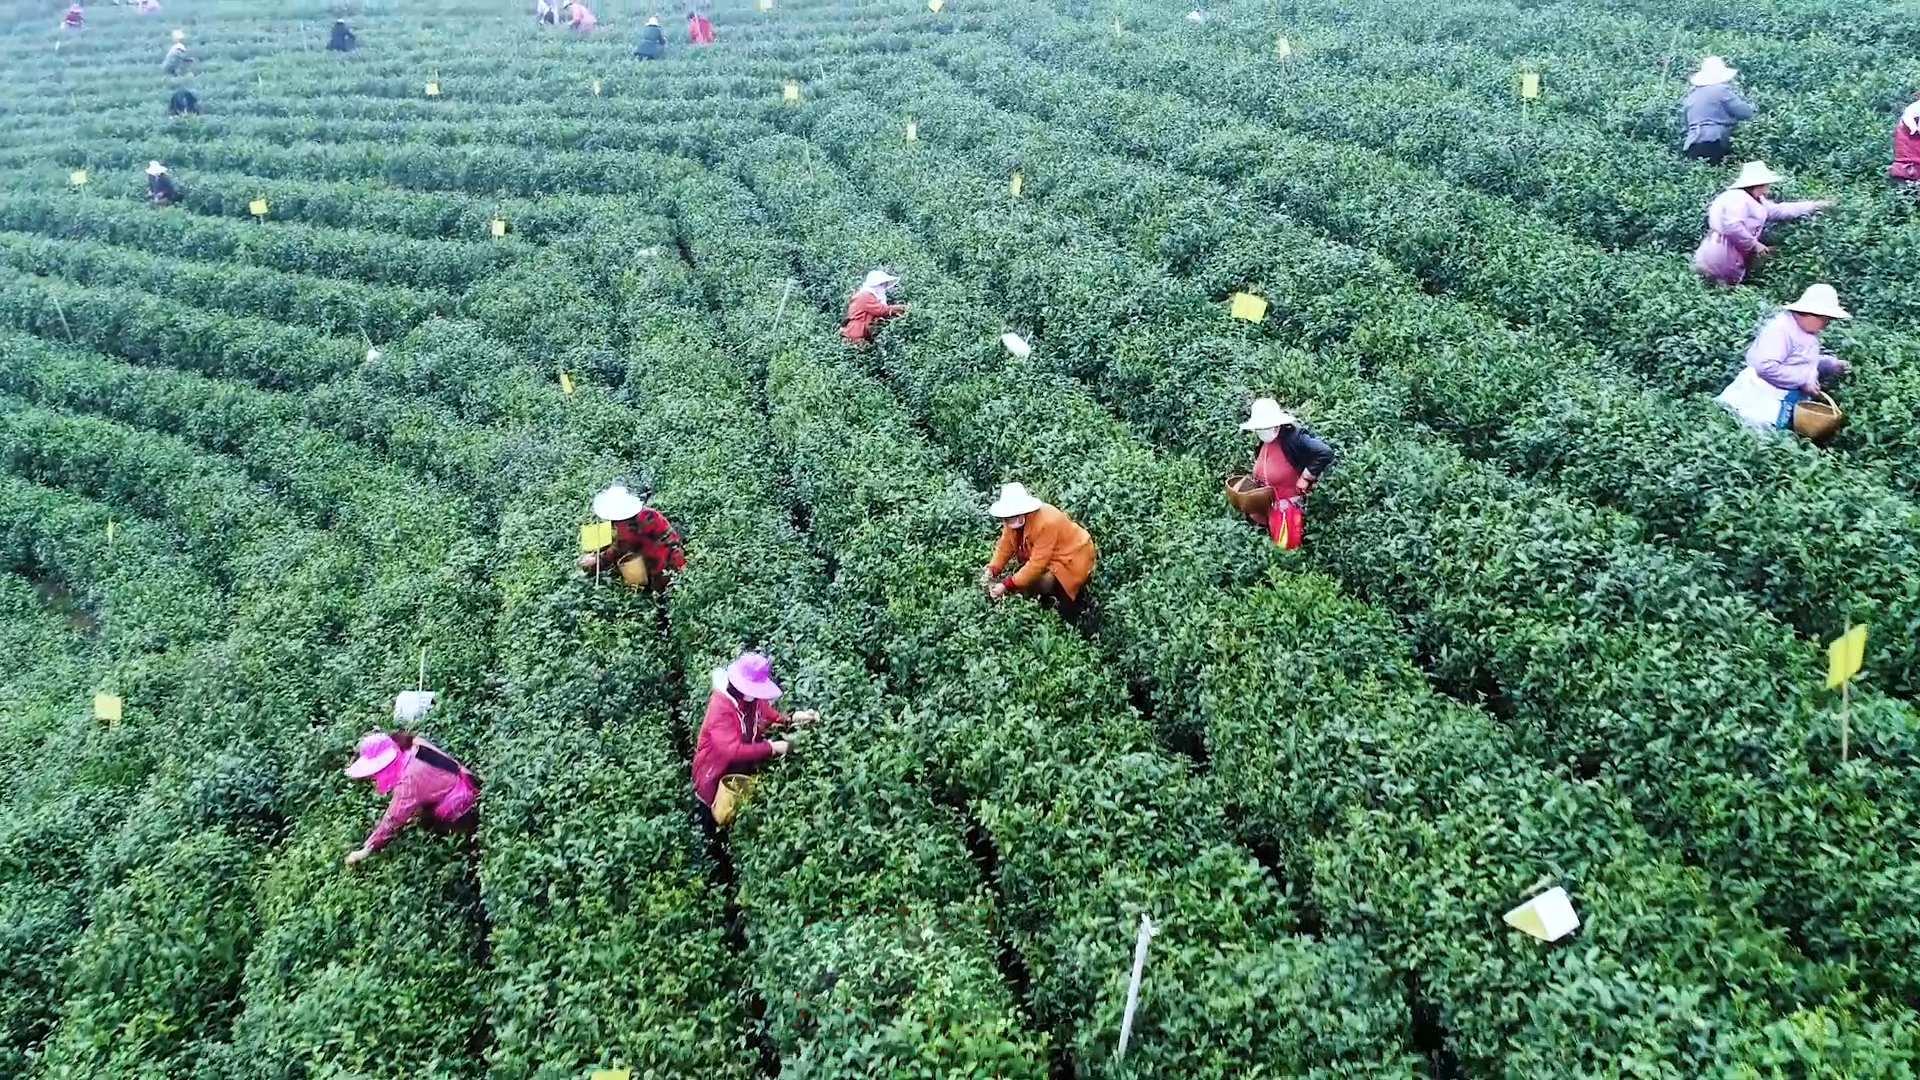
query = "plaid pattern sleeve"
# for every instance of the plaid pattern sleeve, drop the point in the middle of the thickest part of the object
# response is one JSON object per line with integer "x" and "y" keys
{"x": 653, "y": 537}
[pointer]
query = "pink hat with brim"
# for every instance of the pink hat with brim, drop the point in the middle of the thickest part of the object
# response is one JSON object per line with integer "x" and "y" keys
{"x": 377, "y": 751}
{"x": 752, "y": 675}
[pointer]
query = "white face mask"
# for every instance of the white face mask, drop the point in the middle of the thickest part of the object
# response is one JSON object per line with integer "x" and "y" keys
{"x": 1017, "y": 523}
{"x": 1268, "y": 434}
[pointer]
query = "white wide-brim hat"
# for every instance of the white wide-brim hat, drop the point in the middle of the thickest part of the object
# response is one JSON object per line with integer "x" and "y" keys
{"x": 1014, "y": 501}
{"x": 1754, "y": 174}
{"x": 1820, "y": 300}
{"x": 154, "y": 168}
{"x": 1267, "y": 413}
{"x": 617, "y": 504}
{"x": 1713, "y": 71}
{"x": 879, "y": 279}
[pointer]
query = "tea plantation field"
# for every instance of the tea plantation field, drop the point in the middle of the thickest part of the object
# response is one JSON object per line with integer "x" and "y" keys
{"x": 1558, "y": 619}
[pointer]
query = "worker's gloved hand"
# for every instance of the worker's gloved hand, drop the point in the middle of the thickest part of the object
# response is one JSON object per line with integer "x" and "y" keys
{"x": 997, "y": 590}
{"x": 780, "y": 747}
{"x": 356, "y": 855}
{"x": 1761, "y": 251}
{"x": 1812, "y": 386}
{"x": 805, "y": 716}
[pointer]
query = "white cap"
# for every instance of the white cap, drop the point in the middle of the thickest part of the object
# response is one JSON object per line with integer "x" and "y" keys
{"x": 1713, "y": 71}
{"x": 1014, "y": 501}
{"x": 411, "y": 705}
{"x": 616, "y": 504}
{"x": 1754, "y": 174}
{"x": 1016, "y": 345}
{"x": 154, "y": 168}
{"x": 1820, "y": 300}
{"x": 1267, "y": 413}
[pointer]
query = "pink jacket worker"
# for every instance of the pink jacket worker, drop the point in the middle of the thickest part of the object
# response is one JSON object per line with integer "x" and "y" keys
{"x": 1735, "y": 220}
{"x": 423, "y": 780}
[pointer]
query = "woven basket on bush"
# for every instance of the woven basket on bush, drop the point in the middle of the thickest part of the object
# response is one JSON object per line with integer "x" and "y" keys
{"x": 1817, "y": 418}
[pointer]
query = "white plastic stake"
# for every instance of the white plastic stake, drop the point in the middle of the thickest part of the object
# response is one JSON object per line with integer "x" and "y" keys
{"x": 1133, "y": 987}
{"x": 782, "y": 309}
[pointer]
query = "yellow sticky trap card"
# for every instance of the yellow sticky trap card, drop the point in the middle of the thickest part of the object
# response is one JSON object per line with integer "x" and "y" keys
{"x": 1249, "y": 307}
{"x": 77, "y": 177}
{"x": 790, "y": 91}
{"x": 179, "y": 35}
{"x": 596, "y": 87}
{"x": 766, "y": 5}
{"x": 596, "y": 536}
{"x": 433, "y": 88}
{"x": 1282, "y": 48}
{"x": 1529, "y": 85}
{"x": 913, "y": 131}
{"x": 258, "y": 208}
{"x": 566, "y": 383}
{"x": 497, "y": 227}
{"x": 1016, "y": 184}
{"x": 935, "y": 5}
{"x": 611, "y": 1074}
{"x": 106, "y": 708}
{"x": 1845, "y": 655}
{"x": 1549, "y": 916}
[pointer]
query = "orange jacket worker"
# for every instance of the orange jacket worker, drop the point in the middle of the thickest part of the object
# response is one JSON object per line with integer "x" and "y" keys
{"x": 869, "y": 306}
{"x": 1056, "y": 555}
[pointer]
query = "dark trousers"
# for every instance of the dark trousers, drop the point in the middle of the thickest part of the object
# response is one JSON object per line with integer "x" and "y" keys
{"x": 1713, "y": 152}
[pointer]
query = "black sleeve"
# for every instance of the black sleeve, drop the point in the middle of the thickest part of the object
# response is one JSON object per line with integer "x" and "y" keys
{"x": 1306, "y": 453}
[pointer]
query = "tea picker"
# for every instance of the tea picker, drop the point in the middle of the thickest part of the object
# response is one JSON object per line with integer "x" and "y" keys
{"x": 653, "y": 40}
{"x": 868, "y": 307}
{"x": 1785, "y": 368}
{"x": 342, "y": 38}
{"x": 423, "y": 779}
{"x": 1056, "y": 555}
{"x": 160, "y": 189}
{"x": 183, "y": 103}
{"x": 581, "y": 19}
{"x": 1713, "y": 109}
{"x": 1286, "y": 465}
{"x": 74, "y": 19}
{"x": 640, "y": 542}
{"x": 733, "y": 735}
{"x": 1735, "y": 220}
{"x": 1906, "y": 143}
{"x": 177, "y": 58}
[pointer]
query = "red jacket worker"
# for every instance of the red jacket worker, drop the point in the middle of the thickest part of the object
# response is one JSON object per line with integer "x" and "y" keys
{"x": 869, "y": 306}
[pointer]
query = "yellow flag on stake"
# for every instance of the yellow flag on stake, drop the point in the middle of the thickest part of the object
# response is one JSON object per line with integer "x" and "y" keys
{"x": 1249, "y": 307}
{"x": 566, "y": 383}
{"x": 77, "y": 177}
{"x": 109, "y": 532}
{"x": 1016, "y": 183}
{"x": 258, "y": 208}
{"x": 433, "y": 88}
{"x": 1529, "y": 85}
{"x": 611, "y": 1074}
{"x": 790, "y": 91}
{"x": 1845, "y": 655}
{"x": 106, "y": 708}
{"x": 596, "y": 87}
{"x": 1282, "y": 48}
{"x": 913, "y": 131}
{"x": 596, "y": 536}
{"x": 498, "y": 227}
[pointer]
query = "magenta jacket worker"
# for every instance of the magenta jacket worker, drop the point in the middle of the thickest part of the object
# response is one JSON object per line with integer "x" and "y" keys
{"x": 740, "y": 713}
{"x": 423, "y": 779}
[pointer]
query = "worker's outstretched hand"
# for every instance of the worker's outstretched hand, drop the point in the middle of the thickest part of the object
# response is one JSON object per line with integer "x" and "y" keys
{"x": 1761, "y": 251}
{"x": 986, "y": 577}
{"x": 997, "y": 590}
{"x": 804, "y": 717}
{"x": 356, "y": 855}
